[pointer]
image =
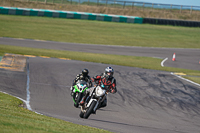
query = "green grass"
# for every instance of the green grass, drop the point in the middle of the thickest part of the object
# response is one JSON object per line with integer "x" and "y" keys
{"x": 97, "y": 32}
{"x": 16, "y": 119}
{"x": 195, "y": 79}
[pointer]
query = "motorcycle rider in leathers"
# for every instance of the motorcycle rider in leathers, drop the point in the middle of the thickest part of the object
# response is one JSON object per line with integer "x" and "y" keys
{"x": 82, "y": 76}
{"x": 107, "y": 80}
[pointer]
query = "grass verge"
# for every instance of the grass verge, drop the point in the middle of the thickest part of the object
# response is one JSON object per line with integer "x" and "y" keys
{"x": 195, "y": 79}
{"x": 98, "y": 32}
{"x": 16, "y": 119}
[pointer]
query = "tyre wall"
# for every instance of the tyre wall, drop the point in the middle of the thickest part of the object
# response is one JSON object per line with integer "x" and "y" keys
{"x": 171, "y": 22}
{"x": 95, "y": 16}
{"x": 69, "y": 14}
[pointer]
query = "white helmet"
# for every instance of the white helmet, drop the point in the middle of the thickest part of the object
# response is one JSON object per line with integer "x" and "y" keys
{"x": 109, "y": 71}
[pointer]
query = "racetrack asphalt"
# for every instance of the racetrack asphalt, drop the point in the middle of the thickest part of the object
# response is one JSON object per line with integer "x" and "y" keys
{"x": 147, "y": 101}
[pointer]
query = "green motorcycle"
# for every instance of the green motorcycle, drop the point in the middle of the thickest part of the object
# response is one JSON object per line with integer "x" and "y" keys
{"x": 78, "y": 91}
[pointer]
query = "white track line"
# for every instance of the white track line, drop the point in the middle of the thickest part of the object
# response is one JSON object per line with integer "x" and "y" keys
{"x": 14, "y": 96}
{"x": 162, "y": 63}
{"x": 21, "y": 100}
{"x": 185, "y": 79}
{"x": 27, "y": 87}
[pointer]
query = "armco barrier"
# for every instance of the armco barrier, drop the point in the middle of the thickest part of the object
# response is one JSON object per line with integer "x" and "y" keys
{"x": 69, "y": 14}
{"x": 171, "y": 22}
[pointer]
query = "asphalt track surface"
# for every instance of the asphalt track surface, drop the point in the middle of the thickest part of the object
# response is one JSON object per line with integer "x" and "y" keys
{"x": 147, "y": 101}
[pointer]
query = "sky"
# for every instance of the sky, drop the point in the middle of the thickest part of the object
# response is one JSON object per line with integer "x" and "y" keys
{"x": 175, "y": 2}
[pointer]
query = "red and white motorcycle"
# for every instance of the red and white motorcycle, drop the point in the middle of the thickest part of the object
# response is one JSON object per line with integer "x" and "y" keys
{"x": 93, "y": 101}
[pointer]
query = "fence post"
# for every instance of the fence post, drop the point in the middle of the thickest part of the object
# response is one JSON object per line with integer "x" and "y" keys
{"x": 181, "y": 9}
{"x": 106, "y": 2}
{"x": 124, "y": 4}
{"x": 45, "y": 2}
{"x": 152, "y": 6}
{"x": 97, "y": 2}
{"x": 170, "y": 7}
{"x": 191, "y": 10}
{"x": 143, "y": 6}
{"x": 132, "y": 5}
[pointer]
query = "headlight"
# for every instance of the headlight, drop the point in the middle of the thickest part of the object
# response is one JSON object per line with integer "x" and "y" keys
{"x": 100, "y": 91}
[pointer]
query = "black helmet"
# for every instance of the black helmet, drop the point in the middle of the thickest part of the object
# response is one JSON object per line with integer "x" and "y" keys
{"x": 109, "y": 70}
{"x": 85, "y": 72}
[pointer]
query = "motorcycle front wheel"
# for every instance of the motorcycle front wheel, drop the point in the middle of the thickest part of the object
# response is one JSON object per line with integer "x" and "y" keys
{"x": 90, "y": 109}
{"x": 81, "y": 114}
{"x": 77, "y": 99}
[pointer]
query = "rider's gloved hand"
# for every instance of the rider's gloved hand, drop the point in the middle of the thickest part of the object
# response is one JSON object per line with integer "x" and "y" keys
{"x": 112, "y": 91}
